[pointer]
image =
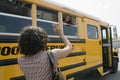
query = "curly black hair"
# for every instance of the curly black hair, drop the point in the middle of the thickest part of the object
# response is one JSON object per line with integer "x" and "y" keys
{"x": 32, "y": 40}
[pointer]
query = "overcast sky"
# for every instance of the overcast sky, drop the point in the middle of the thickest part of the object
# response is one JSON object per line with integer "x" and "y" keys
{"x": 107, "y": 10}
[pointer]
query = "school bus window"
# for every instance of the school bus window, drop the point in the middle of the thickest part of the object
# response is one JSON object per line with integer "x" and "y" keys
{"x": 47, "y": 14}
{"x": 69, "y": 19}
{"x": 45, "y": 19}
{"x": 70, "y": 30}
{"x": 15, "y": 7}
{"x": 104, "y": 34}
{"x": 2, "y": 28}
{"x": 14, "y": 14}
{"x": 39, "y": 14}
{"x": 92, "y": 32}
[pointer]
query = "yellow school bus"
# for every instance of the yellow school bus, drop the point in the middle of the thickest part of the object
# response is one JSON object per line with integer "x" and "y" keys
{"x": 90, "y": 37}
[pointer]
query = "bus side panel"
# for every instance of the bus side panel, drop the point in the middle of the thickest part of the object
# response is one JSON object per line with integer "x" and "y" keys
{"x": 9, "y": 51}
{"x": 74, "y": 62}
{"x": 8, "y": 61}
{"x": 93, "y": 43}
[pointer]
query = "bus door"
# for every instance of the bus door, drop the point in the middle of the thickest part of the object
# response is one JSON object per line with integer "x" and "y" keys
{"x": 105, "y": 48}
{"x": 93, "y": 44}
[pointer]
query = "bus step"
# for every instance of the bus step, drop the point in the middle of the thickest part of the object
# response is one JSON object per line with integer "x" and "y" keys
{"x": 107, "y": 72}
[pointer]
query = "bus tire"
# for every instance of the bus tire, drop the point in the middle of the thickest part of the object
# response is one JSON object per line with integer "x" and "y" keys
{"x": 115, "y": 65}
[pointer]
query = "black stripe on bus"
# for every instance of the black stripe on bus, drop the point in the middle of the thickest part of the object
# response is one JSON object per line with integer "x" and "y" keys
{"x": 55, "y": 40}
{"x": 83, "y": 71}
{"x": 76, "y": 54}
{"x": 8, "y": 41}
{"x": 18, "y": 78}
{"x": 7, "y": 62}
{"x": 51, "y": 40}
{"x": 14, "y": 61}
{"x": 72, "y": 66}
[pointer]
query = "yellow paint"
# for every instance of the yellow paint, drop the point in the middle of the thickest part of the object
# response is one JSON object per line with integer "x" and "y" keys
{"x": 110, "y": 58}
{"x": 93, "y": 48}
{"x": 10, "y": 56}
{"x": 7, "y": 72}
{"x": 70, "y": 61}
{"x": 34, "y": 16}
{"x": 100, "y": 69}
{"x": 71, "y": 79}
{"x": 60, "y": 19}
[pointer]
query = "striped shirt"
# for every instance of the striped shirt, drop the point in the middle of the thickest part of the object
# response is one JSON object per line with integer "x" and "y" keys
{"x": 38, "y": 67}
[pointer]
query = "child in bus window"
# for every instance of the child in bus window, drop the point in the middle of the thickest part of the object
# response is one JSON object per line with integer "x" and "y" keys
{"x": 67, "y": 19}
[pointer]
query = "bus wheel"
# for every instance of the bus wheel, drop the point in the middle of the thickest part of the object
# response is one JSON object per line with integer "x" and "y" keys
{"x": 115, "y": 64}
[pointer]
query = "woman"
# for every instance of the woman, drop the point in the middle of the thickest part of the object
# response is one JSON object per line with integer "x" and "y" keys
{"x": 35, "y": 62}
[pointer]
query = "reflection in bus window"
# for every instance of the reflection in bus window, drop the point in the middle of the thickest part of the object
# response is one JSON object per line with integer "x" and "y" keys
{"x": 92, "y": 32}
{"x": 47, "y": 14}
{"x": 15, "y": 7}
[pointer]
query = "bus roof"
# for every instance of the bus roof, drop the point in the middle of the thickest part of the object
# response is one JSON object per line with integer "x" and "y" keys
{"x": 57, "y": 6}
{"x": 77, "y": 11}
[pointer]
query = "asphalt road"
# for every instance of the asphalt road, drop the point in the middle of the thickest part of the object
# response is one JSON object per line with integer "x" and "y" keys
{"x": 94, "y": 75}
{"x": 115, "y": 76}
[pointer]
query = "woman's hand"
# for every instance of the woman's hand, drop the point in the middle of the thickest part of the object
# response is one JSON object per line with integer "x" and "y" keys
{"x": 65, "y": 51}
{"x": 57, "y": 29}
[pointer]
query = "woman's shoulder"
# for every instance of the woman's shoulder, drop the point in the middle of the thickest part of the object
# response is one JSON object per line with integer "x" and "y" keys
{"x": 55, "y": 53}
{"x": 20, "y": 59}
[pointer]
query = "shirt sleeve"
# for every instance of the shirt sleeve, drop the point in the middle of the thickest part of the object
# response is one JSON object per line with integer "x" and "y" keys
{"x": 56, "y": 55}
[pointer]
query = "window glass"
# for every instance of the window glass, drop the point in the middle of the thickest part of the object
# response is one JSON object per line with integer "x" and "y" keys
{"x": 11, "y": 24}
{"x": 104, "y": 34}
{"x": 69, "y": 25}
{"x": 70, "y": 30}
{"x": 15, "y": 7}
{"x": 47, "y": 14}
{"x": 14, "y": 15}
{"x": 92, "y": 32}
{"x": 2, "y": 28}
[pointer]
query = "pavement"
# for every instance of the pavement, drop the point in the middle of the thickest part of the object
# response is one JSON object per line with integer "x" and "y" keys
{"x": 115, "y": 76}
{"x": 94, "y": 75}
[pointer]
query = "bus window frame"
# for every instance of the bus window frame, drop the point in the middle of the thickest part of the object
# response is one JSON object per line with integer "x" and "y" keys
{"x": 47, "y": 10}
{"x": 71, "y": 25}
{"x": 14, "y": 16}
{"x": 20, "y": 5}
{"x": 91, "y": 25}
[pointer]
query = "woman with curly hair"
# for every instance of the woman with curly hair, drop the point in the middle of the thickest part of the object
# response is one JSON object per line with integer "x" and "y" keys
{"x": 35, "y": 62}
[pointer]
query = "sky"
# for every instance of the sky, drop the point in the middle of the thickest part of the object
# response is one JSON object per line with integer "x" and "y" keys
{"x": 106, "y": 10}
